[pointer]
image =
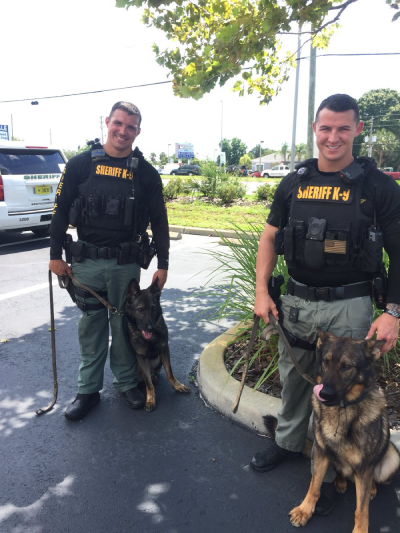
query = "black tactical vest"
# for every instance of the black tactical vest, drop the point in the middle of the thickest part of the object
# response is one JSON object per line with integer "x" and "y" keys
{"x": 327, "y": 231}
{"x": 107, "y": 196}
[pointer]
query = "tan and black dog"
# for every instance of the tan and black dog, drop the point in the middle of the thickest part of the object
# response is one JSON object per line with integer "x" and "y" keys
{"x": 148, "y": 334}
{"x": 351, "y": 428}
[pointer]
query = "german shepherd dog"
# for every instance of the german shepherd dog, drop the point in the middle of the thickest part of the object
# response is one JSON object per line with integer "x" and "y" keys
{"x": 148, "y": 334}
{"x": 351, "y": 428}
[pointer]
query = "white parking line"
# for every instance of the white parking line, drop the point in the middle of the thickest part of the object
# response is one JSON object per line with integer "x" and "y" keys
{"x": 23, "y": 242}
{"x": 25, "y": 291}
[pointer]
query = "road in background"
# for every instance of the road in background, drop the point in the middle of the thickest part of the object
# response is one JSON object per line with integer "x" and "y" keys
{"x": 181, "y": 469}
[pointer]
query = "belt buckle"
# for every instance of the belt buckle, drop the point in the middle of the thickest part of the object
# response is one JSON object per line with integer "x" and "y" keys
{"x": 323, "y": 293}
{"x": 102, "y": 253}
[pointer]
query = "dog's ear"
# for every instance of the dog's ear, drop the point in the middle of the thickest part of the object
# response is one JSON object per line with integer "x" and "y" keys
{"x": 154, "y": 288}
{"x": 133, "y": 288}
{"x": 323, "y": 337}
{"x": 372, "y": 348}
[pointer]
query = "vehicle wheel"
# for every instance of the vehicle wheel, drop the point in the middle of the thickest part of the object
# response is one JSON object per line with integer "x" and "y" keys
{"x": 265, "y": 175}
{"x": 41, "y": 230}
{"x": 190, "y": 174}
{"x": 173, "y": 173}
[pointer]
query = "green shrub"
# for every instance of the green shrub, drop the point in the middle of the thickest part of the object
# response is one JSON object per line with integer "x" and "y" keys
{"x": 265, "y": 192}
{"x": 173, "y": 188}
{"x": 230, "y": 190}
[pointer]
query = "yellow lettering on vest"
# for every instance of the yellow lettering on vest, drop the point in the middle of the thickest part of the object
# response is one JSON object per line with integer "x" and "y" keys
{"x": 346, "y": 195}
{"x": 124, "y": 172}
{"x": 316, "y": 193}
{"x": 305, "y": 192}
{"x": 321, "y": 193}
{"x": 328, "y": 194}
{"x": 118, "y": 171}
{"x": 310, "y": 191}
{"x": 130, "y": 176}
{"x": 299, "y": 193}
{"x": 336, "y": 193}
{"x": 98, "y": 169}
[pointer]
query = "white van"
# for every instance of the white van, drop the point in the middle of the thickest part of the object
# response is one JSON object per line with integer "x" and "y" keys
{"x": 168, "y": 168}
{"x": 29, "y": 177}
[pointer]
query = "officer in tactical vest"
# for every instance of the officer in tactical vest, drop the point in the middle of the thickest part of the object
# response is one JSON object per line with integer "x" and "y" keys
{"x": 330, "y": 219}
{"x": 109, "y": 193}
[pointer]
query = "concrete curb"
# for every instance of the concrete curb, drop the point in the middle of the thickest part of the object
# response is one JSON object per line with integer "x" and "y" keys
{"x": 219, "y": 389}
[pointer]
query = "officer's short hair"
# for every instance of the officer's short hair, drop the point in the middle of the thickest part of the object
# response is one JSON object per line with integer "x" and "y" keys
{"x": 339, "y": 103}
{"x": 129, "y": 108}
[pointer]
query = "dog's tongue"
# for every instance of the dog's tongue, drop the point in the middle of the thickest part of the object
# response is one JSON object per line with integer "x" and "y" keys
{"x": 147, "y": 335}
{"x": 317, "y": 389}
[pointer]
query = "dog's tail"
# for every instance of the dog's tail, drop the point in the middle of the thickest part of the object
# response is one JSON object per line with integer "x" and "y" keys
{"x": 270, "y": 423}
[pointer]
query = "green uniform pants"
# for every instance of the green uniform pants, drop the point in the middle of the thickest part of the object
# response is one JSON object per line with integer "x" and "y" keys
{"x": 343, "y": 318}
{"x": 94, "y": 326}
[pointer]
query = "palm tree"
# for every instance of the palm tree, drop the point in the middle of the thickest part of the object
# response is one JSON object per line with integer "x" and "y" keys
{"x": 301, "y": 150}
{"x": 284, "y": 149}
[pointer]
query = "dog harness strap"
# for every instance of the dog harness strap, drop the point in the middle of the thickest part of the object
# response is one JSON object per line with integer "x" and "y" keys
{"x": 329, "y": 294}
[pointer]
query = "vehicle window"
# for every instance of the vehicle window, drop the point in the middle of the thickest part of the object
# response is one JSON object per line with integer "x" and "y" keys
{"x": 276, "y": 167}
{"x": 17, "y": 161}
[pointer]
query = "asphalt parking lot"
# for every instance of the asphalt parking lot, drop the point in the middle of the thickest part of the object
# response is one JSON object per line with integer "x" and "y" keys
{"x": 181, "y": 469}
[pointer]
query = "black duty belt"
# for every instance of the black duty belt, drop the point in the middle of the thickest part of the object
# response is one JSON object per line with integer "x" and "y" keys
{"x": 329, "y": 294}
{"x": 100, "y": 252}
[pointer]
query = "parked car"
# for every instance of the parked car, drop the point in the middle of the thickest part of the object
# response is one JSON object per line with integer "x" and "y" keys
{"x": 389, "y": 172}
{"x": 29, "y": 177}
{"x": 256, "y": 174}
{"x": 276, "y": 171}
{"x": 187, "y": 170}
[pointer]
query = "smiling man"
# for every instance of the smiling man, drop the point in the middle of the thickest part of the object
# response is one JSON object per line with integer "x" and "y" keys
{"x": 109, "y": 193}
{"x": 330, "y": 219}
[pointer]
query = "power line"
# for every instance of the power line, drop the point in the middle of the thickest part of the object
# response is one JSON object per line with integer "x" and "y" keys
{"x": 80, "y": 94}
{"x": 170, "y": 81}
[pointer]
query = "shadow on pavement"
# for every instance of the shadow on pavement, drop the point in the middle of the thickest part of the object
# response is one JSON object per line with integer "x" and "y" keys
{"x": 181, "y": 469}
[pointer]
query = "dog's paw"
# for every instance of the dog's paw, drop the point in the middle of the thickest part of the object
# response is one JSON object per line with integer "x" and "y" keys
{"x": 180, "y": 387}
{"x": 150, "y": 406}
{"x": 298, "y": 517}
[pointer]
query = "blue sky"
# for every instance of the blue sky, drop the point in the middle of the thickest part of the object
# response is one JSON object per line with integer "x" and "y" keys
{"x": 53, "y": 47}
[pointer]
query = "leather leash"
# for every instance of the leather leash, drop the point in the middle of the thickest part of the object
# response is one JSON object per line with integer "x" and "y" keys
{"x": 282, "y": 335}
{"x": 273, "y": 327}
{"x": 246, "y": 362}
{"x": 53, "y": 352}
{"x": 64, "y": 280}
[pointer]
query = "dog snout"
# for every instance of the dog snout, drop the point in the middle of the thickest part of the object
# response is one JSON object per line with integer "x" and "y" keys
{"x": 327, "y": 393}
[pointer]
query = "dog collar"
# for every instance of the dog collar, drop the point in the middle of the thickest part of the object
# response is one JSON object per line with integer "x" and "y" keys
{"x": 362, "y": 397}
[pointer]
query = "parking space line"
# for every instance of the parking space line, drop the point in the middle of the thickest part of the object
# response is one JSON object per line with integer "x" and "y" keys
{"x": 27, "y": 290}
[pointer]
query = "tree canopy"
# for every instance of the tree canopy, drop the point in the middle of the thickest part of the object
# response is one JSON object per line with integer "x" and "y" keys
{"x": 380, "y": 109}
{"x": 220, "y": 39}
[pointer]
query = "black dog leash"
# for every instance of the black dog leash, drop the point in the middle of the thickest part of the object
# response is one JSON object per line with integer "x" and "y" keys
{"x": 53, "y": 352}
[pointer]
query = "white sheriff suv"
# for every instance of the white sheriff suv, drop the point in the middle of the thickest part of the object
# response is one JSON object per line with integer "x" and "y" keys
{"x": 29, "y": 177}
{"x": 276, "y": 171}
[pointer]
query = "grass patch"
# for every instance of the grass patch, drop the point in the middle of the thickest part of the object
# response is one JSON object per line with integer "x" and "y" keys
{"x": 202, "y": 215}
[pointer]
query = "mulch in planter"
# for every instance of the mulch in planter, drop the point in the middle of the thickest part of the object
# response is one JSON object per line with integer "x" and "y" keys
{"x": 389, "y": 381}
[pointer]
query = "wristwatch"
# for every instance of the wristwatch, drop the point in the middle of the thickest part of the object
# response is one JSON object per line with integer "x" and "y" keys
{"x": 391, "y": 312}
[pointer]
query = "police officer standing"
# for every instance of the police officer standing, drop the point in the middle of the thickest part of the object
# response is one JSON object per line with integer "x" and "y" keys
{"x": 330, "y": 218}
{"x": 110, "y": 194}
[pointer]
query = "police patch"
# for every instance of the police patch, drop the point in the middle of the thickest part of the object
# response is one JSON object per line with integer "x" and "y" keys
{"x": 325, "y": 193}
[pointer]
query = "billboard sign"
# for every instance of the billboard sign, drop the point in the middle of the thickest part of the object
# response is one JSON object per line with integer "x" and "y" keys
{"x": 222, "y": 157}
{"x": 4, "y": 132}
{"x": 184, "y": 150}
